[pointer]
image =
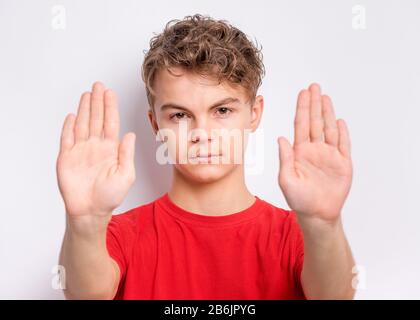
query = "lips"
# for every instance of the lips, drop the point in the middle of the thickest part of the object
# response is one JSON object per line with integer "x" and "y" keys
{"x": 208, "y": 155}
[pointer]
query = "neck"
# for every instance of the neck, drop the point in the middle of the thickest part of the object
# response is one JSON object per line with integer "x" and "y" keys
{"x": 224, "y": 196}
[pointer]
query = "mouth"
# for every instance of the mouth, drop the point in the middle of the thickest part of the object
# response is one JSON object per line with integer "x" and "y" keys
{"x": 206, "y": 156}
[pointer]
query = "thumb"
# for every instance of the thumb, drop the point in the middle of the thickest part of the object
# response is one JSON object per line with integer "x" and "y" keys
{"x": 286, "y": 156}
{"x": 126, "y": 152}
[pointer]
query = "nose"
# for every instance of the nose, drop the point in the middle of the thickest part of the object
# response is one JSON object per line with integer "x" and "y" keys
{"x": 201, "y": 132}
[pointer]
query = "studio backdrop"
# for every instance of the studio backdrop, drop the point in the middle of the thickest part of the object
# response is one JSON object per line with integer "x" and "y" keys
{"x": 364, "y": 54}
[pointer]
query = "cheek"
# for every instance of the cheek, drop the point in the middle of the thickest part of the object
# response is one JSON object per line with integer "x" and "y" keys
{"x": 232, "y": 146}
{"x": 237, "y": 133}
{"x": 178, "y": 149}
{"x": 176, "y": 139}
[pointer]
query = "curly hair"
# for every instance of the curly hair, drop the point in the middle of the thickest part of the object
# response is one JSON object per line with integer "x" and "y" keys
{"x": 206, "y": 47}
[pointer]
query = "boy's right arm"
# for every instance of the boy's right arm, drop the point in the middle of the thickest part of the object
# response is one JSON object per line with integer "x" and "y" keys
{"x": 94, "y": 171}
{"x": 90, "y": 272}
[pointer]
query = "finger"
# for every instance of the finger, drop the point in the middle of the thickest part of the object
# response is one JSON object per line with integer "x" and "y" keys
{"x": 81, "y": 131}
{"x": 302, "y": 117}
{"x": 67, "y": 133}
{"x": 330, "y": 123}
{"x": 111, "y": 121}
{"x": 286, "y": 157}
{"x": 96, "y": 110}
{"x": 344, "y": 144}
{"x": 126, "y": 153}
{"x": 317, "y": 122}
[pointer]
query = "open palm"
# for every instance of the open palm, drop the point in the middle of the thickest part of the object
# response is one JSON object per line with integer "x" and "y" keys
{"x": 94, "y": 169}
{"x": 316, "y": 173}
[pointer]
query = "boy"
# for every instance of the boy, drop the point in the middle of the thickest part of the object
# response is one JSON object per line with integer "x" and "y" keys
{"x": 208, "y": 237}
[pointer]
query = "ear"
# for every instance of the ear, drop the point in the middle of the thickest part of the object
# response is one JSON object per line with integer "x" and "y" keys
{"x": 153, "y": 122}
{"x": 256, "y": 112}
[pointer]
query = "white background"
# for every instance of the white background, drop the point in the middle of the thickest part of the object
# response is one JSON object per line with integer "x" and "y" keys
{"x": 372, "y": 75}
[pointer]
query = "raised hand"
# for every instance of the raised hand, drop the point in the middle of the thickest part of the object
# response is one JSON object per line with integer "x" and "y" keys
{"x": 316, "y": 173}
{"x": 94, "y": 169}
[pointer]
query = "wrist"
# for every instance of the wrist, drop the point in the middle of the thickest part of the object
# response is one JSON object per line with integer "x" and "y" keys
{"x": 318, "y": 226}
{"x": 87, "y": 226}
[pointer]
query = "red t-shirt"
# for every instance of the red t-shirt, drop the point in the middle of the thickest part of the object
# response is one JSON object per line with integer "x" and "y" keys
{"x": 166, "y": 252}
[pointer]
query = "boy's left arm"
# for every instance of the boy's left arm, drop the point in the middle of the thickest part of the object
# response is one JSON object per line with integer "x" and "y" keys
{"x": 328, "y": 261}
{"x": 315, "y": 177}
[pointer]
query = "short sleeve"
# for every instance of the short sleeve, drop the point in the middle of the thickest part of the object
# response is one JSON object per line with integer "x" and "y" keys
{"x": 115, "y": 244}
{"x": 298, "y": 243}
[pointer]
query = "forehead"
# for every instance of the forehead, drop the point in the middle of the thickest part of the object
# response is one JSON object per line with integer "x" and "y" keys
{"x": 192, "y": 90}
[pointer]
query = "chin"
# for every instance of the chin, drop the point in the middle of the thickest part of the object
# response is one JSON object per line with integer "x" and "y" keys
{"x": 205, "y": 173}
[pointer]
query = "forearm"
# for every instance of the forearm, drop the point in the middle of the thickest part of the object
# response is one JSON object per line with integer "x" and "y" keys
{"x": 328, "y": 261}
{"x": 90, "y": 272}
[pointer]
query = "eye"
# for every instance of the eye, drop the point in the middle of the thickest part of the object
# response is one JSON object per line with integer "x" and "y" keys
{"x": 224, "y": 111}
{"x": 178, "y": 116}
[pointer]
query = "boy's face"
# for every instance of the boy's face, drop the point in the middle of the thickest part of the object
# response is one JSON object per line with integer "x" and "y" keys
{"x": 201, "y": 117}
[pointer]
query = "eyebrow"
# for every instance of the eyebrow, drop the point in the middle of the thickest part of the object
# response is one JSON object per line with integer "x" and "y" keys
{"x": 219, "y": 103}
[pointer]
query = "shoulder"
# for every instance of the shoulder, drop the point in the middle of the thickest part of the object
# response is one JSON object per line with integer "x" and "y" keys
{"x": 275, "y": 212}
{"x": 281, "y": 218}
{"x": 131, "y": 219}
